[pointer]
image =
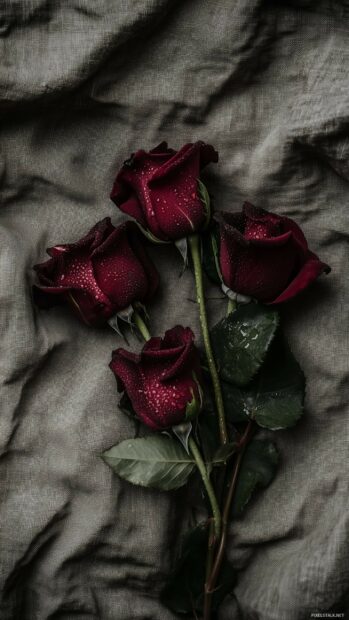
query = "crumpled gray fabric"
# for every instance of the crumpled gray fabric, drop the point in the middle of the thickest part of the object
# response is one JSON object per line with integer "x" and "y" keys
{"x": 82, "y": 85}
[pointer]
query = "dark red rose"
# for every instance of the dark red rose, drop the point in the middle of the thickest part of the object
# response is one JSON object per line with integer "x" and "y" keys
{"x": 160, "y": 189}
{"x": 265, "y": 256}
{"x": 100, "y": 275}
{"x": 162, "y": 380}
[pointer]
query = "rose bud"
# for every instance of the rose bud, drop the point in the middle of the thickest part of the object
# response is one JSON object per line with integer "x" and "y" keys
{"x": 159, "y": 189}
{"x": 265, "y": 256}
{"x": 100, "y": 275}
{"x": 162, "y": 382}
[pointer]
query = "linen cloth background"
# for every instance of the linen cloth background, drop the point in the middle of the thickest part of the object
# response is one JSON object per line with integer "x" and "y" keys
{"x": 84, "y": 83}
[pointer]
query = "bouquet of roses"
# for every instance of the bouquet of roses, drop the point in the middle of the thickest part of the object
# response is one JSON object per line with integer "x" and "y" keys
{"x": 204, "y": 408}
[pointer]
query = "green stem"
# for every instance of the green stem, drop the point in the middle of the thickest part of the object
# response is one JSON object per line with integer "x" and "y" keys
{"x": 208, "y": 486}
{"x": 211, "y": 546}
{"x": 141, "y": 325}
{"x": 211, "y": 582}
{"x": 194, "y": 243}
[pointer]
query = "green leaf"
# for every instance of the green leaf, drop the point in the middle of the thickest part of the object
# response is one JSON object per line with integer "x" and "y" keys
{"x": 233, "y": 403}
{"x": 156, "y": 461}
{"x": 184, "y": 590}
{"x": 210, "y": 254}
{"x": 241, "y": 340}
{"x": 257, "y": 469}
{"x": 275, "y": 397}
{"x": 223, "y": 454}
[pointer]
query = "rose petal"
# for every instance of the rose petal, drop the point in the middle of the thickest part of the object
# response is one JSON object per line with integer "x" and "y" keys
{"x": 232, "y": 251}
{"x": 159, "y": 405}
{"x": 259, "y": 269}
{"x": 270, "y": 242}
{"x": 99, "y": 275}
{"x": 128, "y": 202}
{"x": 159, "y": 381}
{"x": 162, "y": 149}
{"x": 309, "y": 272}
{"x": 260, "y": 224}
{"x": 137, "y": 242}
{"x": 234, "y": 219}
{"x": 177, "y": 344}
{"x": 159, "y": 189}
{"x": 297, "y": 234}
{"x": 267, "y": 258}
{"x": 118, "y": 271}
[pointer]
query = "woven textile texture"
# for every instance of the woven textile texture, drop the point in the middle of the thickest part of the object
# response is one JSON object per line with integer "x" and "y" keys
{"x": 83, "y": 83}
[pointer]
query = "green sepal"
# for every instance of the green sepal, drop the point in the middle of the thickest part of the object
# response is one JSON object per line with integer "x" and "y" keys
{"x": 149, "y": 235}
{"x": 182, "y": 247}
{"x": 142, "y": 309}
{"x": 126, "y": 316}
{"x": 206, "y": 201}
{"x": 183, "y": 432}
{"x": 114, "y": 322}
{"x": 194, "y": 406}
